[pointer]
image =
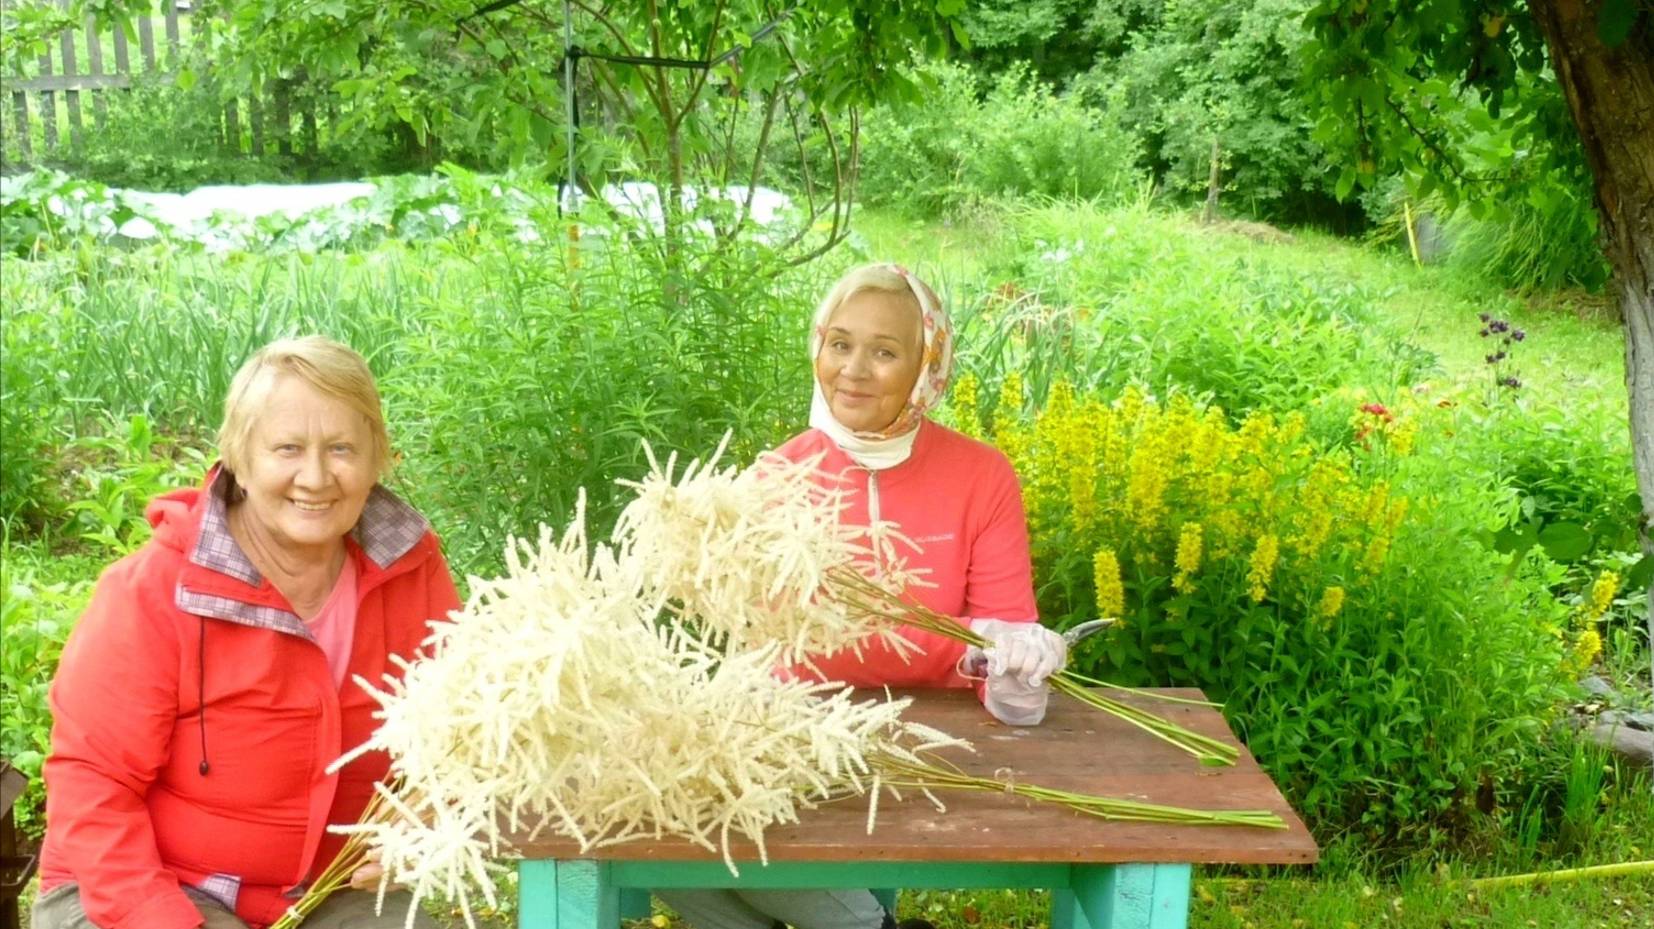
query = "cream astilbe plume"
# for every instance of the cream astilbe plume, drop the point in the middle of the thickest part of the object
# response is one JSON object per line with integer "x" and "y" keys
{"x": 553, "y": 701}
{"x": 751, "y": 556}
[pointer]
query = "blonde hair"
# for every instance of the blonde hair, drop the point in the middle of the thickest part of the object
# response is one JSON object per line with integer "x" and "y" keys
{"x": 331, "y": 367}
{"x": 883, "y": 278}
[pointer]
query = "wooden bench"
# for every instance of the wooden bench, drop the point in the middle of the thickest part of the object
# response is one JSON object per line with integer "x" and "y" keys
{"x": 1104, "y": 875}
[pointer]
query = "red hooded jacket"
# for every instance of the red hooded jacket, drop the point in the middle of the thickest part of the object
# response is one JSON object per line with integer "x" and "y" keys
{"x": 194, "y": 716}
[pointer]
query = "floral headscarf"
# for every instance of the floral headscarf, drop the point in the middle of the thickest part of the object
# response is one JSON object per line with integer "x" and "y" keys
{"x": 893, "y": 444}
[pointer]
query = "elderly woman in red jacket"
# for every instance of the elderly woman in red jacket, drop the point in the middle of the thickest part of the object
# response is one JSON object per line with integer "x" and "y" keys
{"x": 882, "y": 350}
{"x": 208, "y": 686}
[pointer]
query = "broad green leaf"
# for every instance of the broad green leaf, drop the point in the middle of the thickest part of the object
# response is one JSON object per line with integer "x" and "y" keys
{"x": 1565, "y": 541}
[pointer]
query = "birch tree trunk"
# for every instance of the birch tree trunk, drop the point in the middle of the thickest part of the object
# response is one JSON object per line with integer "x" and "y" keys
{"x": 1610, "y": 92}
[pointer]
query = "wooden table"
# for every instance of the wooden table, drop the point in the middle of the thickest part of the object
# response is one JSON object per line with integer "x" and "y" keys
{"x": 1104, "y": 875}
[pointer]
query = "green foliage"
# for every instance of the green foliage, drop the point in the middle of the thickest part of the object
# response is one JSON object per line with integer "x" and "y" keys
{"x": 1060, "y": 39}
{"x": 1380, "y": 667}
{"x": 581, "y": 366}
{"x": 1206, "y": 71}
{"x": 157, "y": 135}
{"x": 1532, "y": 247}
{"x": 116, "y": 474}
{"x": 47, "y": 210}
{"x": 26, "y": 424}
{"x": 1103, "y": 300}
{"x": 39, "y": 601}
{"x": 494, "y": 77}
{"x": 1456, "y": 94}
{"x": 963, "y": 143}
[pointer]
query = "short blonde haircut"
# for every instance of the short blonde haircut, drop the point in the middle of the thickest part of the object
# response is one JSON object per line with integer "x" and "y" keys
{"x": 332, "y": 368}
{"x": 883, "y": 278}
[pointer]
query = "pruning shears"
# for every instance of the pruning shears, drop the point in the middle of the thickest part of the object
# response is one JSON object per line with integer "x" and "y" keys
{"x": 1085, "y": 630}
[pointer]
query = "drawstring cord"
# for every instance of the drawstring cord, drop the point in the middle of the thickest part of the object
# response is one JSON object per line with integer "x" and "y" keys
{"x": 201, "y": 691}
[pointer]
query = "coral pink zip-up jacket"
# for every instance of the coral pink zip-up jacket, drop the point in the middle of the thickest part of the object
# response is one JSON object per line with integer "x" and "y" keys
{"x": 958, "y": 499}
{"x": 130, "y": 814}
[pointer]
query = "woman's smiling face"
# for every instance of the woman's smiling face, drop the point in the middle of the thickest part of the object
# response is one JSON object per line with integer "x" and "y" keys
{"x": 871, "y": 352}
{"x": 310, "y": 468}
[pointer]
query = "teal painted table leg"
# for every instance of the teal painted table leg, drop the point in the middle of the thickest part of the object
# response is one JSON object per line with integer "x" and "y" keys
{"x": 634, "y": 903}
{"x": 1065, "y": 911}
{"x": 1126, "y": 896}
{"x": 574, "y": 894}
{"x": 887, "y": 899}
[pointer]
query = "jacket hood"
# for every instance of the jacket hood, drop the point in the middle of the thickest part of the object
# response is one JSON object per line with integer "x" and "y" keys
{"x": 173, "y": 516}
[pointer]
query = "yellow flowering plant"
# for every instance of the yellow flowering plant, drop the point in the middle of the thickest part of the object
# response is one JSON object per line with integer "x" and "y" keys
{"x": 1328, "y": 586}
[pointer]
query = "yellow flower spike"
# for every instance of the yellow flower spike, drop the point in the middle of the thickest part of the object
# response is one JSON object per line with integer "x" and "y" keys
{"x": 1010, "y": 396}
{"x": 1261, "y": 568}
{"x": 1378, "y": 550}
{"x": 1188, "y": 557}
{"x": 1332, "y": 600}
{"x": 1111, "y": 593}
{"x": 1403, "y": 434}
{"x": 1602, "y": 595}
{"x": 1586, "y": 647}
{"x": 962, "y": 400}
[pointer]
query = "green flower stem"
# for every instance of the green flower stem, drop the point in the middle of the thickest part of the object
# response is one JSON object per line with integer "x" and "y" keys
{"x": 1621, "y": 869}
{"x": 898, "y": 772}
{"x": 353, "y": 855}
{"x": 868, "y": 598}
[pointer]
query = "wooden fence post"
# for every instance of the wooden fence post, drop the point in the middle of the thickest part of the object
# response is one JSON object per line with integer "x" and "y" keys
{"x": 71, "y": 95}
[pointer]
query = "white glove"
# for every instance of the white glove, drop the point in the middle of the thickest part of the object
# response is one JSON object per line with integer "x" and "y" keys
{"x": 1018, "y": 659}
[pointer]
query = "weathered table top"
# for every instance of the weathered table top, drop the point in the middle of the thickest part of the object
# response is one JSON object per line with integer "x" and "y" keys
{"x": 1077, "y": 748}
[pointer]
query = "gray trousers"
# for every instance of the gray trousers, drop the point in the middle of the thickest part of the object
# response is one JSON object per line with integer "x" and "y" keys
{"x": 59, "y": 908}
{"x": 761, "y": 909}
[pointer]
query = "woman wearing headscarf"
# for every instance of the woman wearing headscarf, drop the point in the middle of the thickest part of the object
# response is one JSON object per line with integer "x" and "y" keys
{"x": 207, "y": 688}
{"x": 882, "y": 348}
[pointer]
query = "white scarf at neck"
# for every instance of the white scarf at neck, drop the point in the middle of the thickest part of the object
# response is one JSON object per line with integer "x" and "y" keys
{"x": 866, "y": 449}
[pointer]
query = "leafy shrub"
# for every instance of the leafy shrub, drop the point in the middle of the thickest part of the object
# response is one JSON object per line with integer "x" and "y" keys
{"x": 1377, "y": 661}
{"x": 157, "y": 135}
{"x": 580, "y": 366}
{"x": 44, "y": 210}
{"x": 1103, "y": 299}
{"x": 26, "y": 423}
{"x": 36, "y": 614}
{"x": 950, "y": 148}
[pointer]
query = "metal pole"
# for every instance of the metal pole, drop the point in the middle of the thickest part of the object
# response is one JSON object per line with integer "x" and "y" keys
{"x": 573, "y": 203}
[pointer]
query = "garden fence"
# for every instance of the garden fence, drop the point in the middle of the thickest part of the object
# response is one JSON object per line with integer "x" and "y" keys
{"x": 98, "y": 59}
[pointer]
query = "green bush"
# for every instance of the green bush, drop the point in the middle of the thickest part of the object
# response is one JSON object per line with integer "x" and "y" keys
{"x": 38, "y": 607}
{"x": 1378, "y": 662}
{"x": 962, "y": 143}
{"x": 157, "y": 135}
{"x": 1104, "y": 299}
{"x": 27, "y": 400}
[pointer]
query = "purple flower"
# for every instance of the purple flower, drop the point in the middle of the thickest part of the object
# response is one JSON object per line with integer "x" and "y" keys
{"x": 1484, "y": 333}
{"x": 1518, "y": 335}
{"x": 1491, "y": 359}
{"x": 1484, "y": 317}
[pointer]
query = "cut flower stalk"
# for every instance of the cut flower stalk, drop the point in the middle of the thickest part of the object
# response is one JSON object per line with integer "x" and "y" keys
{"x": 932, "y": 774}
{"x": 863, "y": 596}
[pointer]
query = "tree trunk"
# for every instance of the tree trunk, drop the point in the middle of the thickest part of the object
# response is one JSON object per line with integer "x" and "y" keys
{"x": 1210, "y": 213}
{"x": 1611, "y": 95}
